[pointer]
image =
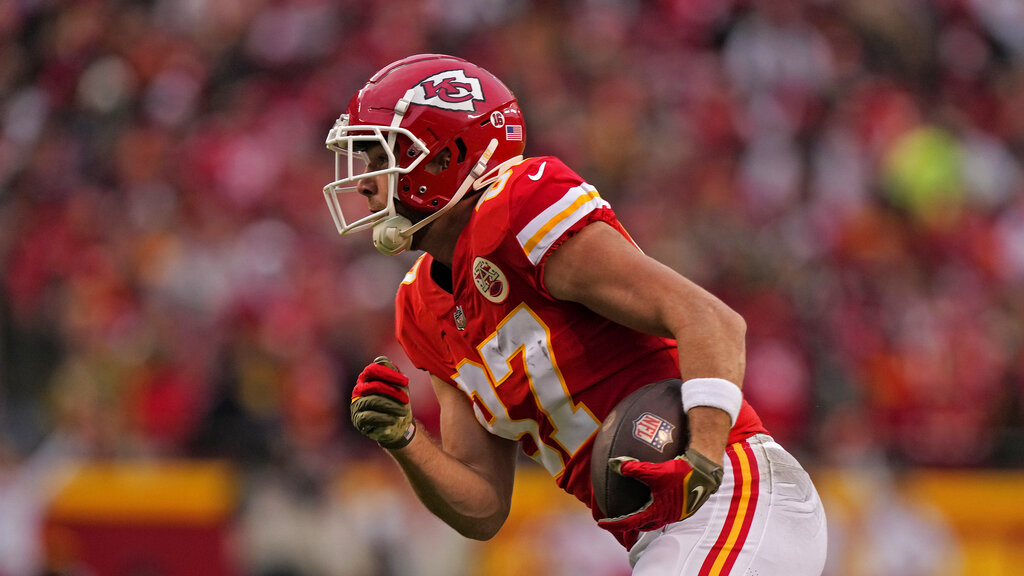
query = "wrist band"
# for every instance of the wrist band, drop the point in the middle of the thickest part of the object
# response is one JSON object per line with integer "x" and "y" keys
{"x": 715, "y": 392}
{"x": 404, "y": 440}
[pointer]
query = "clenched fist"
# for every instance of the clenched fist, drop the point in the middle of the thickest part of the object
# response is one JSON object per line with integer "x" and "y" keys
{"x": 380, "y": 405}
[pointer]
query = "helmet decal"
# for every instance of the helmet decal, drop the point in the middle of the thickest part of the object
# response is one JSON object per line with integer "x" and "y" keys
{"x": 449, "y": 90}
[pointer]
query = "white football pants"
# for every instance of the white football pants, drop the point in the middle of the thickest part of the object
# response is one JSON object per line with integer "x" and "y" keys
{"x": 765, "y": 520}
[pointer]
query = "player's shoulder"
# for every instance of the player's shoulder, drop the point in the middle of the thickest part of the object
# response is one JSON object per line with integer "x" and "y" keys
{"x": 533, "y": 199}
{"x": 420, "y": 296}
{"x": 551, "y": 167}
{"x": 524, "y": 180}
{"x": 417, "y": 285}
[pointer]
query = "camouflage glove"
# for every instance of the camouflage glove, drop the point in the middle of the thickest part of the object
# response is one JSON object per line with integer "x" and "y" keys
{"x": 380, "y": 405}
{"x": 678, "y": 488}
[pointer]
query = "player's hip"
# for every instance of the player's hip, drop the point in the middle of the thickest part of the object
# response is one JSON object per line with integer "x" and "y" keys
{"x": 766, "y": 513}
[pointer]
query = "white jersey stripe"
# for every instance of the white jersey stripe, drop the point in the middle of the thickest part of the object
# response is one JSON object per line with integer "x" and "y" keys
{"x": 537, "y": 236}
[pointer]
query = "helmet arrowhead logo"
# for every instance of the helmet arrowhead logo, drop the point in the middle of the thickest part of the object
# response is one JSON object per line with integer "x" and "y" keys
{"x": 449, "y": 90}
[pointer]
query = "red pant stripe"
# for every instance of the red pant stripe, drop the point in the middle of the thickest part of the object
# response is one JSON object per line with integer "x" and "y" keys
{"x": 734, "y": 532}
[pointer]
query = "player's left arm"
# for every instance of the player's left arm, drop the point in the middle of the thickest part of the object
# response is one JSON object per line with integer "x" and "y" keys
{"x": 604, "y": 271}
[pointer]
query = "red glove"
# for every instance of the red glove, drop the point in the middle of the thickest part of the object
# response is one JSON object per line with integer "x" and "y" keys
{"x": 380, "y": 405}
{"x": 678, "y": 488}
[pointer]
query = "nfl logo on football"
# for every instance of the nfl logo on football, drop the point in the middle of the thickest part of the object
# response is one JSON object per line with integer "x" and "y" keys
{"x": 653, "y": 430}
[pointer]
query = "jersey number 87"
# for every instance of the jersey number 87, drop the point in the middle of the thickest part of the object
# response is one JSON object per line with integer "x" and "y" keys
{"x": 572, "y": 424}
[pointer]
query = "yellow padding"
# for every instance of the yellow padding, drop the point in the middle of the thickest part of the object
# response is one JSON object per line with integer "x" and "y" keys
{"x": 157, "y": 492}
{"x": 974, "y": 499}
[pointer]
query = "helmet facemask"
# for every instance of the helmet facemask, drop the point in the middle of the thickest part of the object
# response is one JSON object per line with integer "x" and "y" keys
{"x": 392, "y": 232}
{"x": 351, "y": 164}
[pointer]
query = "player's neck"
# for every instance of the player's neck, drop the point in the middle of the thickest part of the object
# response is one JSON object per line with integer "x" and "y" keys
{"x": 443, "y": 234}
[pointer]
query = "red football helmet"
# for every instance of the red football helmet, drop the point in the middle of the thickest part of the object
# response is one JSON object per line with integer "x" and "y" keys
{"x": 416, "y": 108}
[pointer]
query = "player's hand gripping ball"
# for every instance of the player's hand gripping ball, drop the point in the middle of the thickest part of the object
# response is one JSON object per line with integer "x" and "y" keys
{"x": 678, "y": 488}
{"x": 380, "y": 405}
{"x": 643, "y": 475}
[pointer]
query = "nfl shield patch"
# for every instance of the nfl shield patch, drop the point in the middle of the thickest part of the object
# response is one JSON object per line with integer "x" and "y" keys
{"x": 653, "y": 430}
{"x": 460, "y": 318}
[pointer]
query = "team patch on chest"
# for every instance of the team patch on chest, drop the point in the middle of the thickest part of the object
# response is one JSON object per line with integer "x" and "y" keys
{"x": 490, "y": 280}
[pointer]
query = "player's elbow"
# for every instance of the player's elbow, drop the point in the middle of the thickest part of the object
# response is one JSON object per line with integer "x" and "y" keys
{"x": 732, "y": 329}
{"x": 715, "y": 335}
{"x": 713, "y": 320}
{"x": 480, "y": 529}
{"x": 479, "y": 535}
{"x": 734, "y": 325}
{"x": 477, "y": 523}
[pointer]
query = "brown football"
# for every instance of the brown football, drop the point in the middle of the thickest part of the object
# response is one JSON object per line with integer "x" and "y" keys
{"x": 648, "y": 425}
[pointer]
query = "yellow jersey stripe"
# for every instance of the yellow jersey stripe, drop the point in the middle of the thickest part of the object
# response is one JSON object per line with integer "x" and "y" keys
{"x": 537, "y": 236}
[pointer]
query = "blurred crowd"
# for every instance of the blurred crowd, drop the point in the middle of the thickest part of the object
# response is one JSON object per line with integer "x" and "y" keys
{"x": 845, "y": 173}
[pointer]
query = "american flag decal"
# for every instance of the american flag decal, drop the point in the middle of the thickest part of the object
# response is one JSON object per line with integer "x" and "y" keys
{"x": 653, "y": 430}
{"x": 513, "y": 132}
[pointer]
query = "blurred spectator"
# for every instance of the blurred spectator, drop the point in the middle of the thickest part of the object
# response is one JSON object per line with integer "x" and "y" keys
{"x": 28, "y": 481}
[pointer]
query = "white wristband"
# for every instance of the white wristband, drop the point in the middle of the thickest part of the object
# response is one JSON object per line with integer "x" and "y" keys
{"x": 715, "y": 392}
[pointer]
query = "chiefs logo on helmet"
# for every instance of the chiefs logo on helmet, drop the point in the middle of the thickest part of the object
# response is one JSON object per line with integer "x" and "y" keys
{"x": 449, "y": 90}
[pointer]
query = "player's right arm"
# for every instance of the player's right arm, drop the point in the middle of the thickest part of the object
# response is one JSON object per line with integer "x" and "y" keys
{"x": 464, "y": 477}
{"x": 466, "y": 480}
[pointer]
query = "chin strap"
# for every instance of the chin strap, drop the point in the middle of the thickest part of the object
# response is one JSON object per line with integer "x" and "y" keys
{"x": 492, "y": 175}
{"x": 393, "y": 235}
{"x": 389, "y": 236}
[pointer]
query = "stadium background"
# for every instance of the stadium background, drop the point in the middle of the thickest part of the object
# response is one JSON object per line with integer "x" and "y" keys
{"x": 180, "y": 325}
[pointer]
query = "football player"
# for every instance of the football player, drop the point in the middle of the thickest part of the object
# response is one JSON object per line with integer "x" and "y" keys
{"x": 535, "y": 314}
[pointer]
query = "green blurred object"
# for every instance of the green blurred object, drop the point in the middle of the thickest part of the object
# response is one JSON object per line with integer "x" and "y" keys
{"x": 922, "y": 173}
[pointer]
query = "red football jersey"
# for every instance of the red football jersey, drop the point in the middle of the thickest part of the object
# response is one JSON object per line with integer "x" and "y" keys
{"x": 538, "y": 370}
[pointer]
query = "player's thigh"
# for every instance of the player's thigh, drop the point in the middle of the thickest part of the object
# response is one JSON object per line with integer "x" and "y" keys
{"x": 795, "y": 537}
{"x": 766, "y": 519}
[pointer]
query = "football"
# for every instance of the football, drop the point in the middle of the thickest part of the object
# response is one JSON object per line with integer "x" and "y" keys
{"x": 649, "y": 425}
